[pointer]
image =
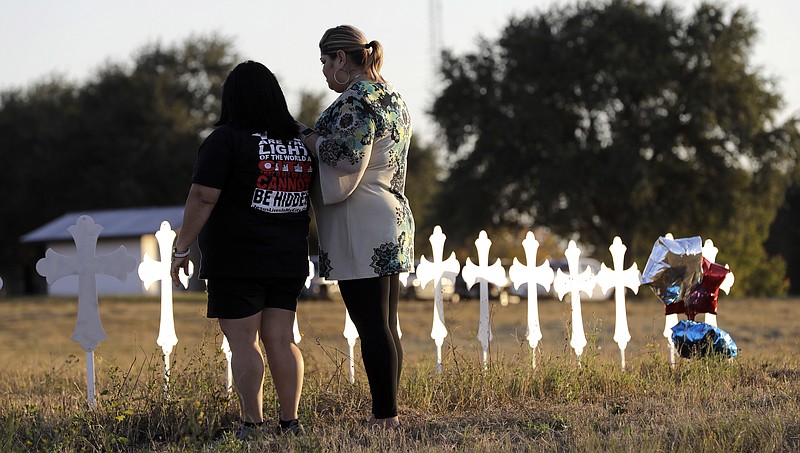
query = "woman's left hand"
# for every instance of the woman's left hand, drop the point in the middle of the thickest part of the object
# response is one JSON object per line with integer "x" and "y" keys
{"x": 176, "y": 266}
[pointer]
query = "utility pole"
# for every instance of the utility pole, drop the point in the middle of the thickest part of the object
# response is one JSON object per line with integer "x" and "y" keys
{"x": 435, "y": 19}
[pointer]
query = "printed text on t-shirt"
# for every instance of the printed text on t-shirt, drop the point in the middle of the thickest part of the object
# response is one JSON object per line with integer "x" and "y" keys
{"x": 284, "y": 176}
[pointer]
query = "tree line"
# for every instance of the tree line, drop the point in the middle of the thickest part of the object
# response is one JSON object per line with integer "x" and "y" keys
{"x": 624, "y": 119}
{"x": 585, "y": 121}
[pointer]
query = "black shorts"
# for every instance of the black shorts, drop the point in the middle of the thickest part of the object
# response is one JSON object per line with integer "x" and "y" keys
{"x": 235, "y": 298}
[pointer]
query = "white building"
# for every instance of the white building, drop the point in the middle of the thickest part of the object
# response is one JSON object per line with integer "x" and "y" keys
{"x": 134, "y": 228}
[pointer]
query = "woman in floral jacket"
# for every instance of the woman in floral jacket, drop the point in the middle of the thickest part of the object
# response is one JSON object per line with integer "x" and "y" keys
{"x": 366, "y": 229}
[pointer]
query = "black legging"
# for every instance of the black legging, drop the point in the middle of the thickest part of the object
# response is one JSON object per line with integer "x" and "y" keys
{"x": 372, "y": 304}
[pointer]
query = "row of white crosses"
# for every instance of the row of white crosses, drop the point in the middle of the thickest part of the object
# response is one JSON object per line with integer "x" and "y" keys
{"x": 151, "y": 271}
{"x": 573, "y": 283}
{"x": 86, "y": 265}
{"x": 89, "y": 330}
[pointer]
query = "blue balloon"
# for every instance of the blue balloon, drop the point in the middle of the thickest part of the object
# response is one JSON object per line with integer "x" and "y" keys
{"x": 694, "y": 339}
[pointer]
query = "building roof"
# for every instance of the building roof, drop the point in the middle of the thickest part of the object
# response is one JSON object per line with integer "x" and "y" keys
{"x": 116, "y": 223}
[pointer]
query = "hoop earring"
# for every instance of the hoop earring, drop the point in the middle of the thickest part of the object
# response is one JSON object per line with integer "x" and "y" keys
{"x": 337, "y": 80}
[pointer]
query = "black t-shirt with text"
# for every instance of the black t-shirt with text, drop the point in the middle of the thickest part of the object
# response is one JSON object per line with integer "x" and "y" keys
{"x": 259, "y": 227}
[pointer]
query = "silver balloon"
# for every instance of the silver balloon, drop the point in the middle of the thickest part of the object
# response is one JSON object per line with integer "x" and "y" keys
{"x": 675, "y": 266}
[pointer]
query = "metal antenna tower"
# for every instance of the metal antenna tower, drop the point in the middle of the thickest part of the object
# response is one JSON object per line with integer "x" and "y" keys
{"x": 435, "y": 19}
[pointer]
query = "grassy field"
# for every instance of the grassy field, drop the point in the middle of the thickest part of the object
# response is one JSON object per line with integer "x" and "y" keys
{"x": 749, "y": 404}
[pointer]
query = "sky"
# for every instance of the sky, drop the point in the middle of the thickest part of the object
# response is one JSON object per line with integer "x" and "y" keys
{"x": 72, "y": 39}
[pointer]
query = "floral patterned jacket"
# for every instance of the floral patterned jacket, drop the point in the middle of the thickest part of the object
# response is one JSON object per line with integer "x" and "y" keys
{"x": 364, "y": 222}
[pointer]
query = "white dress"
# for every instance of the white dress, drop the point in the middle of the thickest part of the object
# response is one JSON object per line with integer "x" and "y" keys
{"x": 364, "y": 222}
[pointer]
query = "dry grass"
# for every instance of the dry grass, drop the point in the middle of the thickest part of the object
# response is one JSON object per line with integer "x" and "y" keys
{"x": 749, "y": 404}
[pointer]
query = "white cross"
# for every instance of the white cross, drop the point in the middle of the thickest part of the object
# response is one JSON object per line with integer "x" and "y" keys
{"x": 226, "y": 349}
{"x": 484, "y": 274}
{"x": 710, "y": 253}
{"x": 86, "y": 265}
{"x": 574, "y": 283}
{"x": 151, "y": 271}
{"x": 436, "y": 271}
{"x": 295, "y": 327}
{"x": 351, "y": 333}
{"x": 670, "y": 321}
{"x": 619, "y": 279}
{"x": 296, "y": 330}
{"x": 404, "y": 280}
{"x": 709, "y": 250}
{"x": 532, "y": 275}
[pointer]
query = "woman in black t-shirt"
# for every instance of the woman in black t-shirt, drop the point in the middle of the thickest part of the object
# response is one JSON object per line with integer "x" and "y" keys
{"x": 248, "y": 209}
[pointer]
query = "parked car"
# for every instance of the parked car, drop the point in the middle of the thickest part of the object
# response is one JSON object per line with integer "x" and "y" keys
{"x": 474, "y": 292}
{"x": 413, "y": 289}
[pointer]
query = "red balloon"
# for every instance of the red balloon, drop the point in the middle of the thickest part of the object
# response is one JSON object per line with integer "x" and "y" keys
{"x": 702, "y": 298}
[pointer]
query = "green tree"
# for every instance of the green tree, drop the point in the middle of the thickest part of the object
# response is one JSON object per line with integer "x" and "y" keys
{"x": 620, "y": 119}
{"x": 311, "y": 106}
{"x": 127, "y": 137}
{"x": 142, "y": 127}
{"x": 422, "y": 185}
{"x": 784, "y": 236}
{"x": 34, "y": 125}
